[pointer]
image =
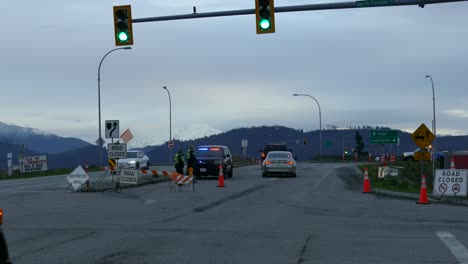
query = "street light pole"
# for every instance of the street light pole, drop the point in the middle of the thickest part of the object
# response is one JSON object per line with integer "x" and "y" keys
{"x": 320, "y": 118}
{"x": 434, "y": 130}
{"x": 99, "y": 101}
{"x": 170, "y": 122}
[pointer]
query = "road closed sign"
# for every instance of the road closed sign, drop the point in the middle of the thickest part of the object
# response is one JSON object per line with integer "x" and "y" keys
{"x": 129, "y": 176}
{"x": 117, "y": 151}
{"x": 450, "y": 182}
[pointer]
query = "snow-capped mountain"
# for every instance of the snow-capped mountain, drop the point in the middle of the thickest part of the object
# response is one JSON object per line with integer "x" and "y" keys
{"x": 193, "y": 131}
{"x": 38, "y": 140}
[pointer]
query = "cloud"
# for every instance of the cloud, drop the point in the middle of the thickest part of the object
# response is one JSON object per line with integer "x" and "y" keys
{"x": 457, "y": 113}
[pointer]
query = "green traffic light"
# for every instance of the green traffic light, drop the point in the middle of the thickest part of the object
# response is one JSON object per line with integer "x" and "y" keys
{"x": 123, "y": 36}
{"x": 264, "y": 24}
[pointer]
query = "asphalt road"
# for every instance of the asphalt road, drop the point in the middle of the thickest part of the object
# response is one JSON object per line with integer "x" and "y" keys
{"x": 319, "y": 217}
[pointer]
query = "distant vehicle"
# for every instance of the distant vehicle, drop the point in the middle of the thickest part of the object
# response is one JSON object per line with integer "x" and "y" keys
{"x": 136, "y": 159}
{"x": 279, "y": 162}
{"x": 4, "y": 257}
{"x": 272, "y": 147}
{"x": 409, "y": 155}
{"x": 210, "y": 158}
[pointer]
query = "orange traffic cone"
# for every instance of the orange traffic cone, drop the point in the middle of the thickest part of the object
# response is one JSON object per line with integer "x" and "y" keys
{"x": 367, "y": 188}
{"x": 452, "y": 164}
{"x": 423, "y": 193}
{"x": 221, "y": 178}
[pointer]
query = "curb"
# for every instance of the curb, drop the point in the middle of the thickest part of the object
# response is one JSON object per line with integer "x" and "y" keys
{"x": 415, "y": 197}
{"x": 145, "y": 180}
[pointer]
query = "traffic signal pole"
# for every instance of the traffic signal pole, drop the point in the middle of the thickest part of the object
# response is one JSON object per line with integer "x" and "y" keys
{"x": 298, "y": 8}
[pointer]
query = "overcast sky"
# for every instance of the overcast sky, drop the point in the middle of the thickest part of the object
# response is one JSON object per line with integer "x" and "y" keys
{"x": 364, "y": 66}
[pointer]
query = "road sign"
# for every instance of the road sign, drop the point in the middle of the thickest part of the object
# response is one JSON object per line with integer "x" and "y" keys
{"x": 112, "y": 128}
{"x": 422, "y": 136}
{"x": 450, "y": 182}
{"x": 129, "y": 176}
{"x": 422, "y": 155}
{"x": 370, "y": 3}
{"x": 244, "y": 143}
{"x": 34, "y": 163}
{"x": 170, "y": 144}
{"x": 112, "y": 163}
{"x": 384, "y": 136}
{"x": 100, "y": 142}
{"x": 328, "y": 143}
{"x": 117, "y": 151}
{"x": 78, "y": 177}
{"x": 127, "y": 136}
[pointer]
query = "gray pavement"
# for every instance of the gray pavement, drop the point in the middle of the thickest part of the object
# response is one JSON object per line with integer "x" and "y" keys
{"x": 319, "y": 217}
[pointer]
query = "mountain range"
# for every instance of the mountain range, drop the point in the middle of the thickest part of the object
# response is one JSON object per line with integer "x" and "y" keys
{"x": 69, "y": 152}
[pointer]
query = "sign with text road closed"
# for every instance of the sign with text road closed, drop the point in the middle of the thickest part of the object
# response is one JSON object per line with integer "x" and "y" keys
{"x": 129, "y": 176}
{"x": 450, "y": 182}
{"x": 117, "y": 151}
{"x": 78, "y": 177}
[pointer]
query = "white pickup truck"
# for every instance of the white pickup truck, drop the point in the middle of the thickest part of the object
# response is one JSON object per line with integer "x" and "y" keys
{"x": 409, "y": 155}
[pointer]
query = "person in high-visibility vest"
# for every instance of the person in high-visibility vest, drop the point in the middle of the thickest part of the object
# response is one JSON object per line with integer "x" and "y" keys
{"x": 191, "y": 159}
{"x": 179, "y": 162}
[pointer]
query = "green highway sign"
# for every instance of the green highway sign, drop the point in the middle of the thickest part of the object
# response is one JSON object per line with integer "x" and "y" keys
{"x": 384, "y": 137}
{"x": 328, "y": 143}
{"x": 369, "y": 3}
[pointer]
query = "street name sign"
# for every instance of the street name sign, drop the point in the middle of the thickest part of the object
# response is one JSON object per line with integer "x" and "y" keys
{"x": 370, "y": 3}
{"x": 384, "y": 136}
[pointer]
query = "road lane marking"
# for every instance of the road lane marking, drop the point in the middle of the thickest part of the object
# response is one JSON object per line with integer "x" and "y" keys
{"x": 457, "y": 248}
{"x": 321, "y": 179}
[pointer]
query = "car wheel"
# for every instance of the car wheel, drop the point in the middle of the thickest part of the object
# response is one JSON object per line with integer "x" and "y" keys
{"x": 137, "y": 166}
{"x": 411, "y": 158}
{"x": 148, "y": 164}
{"x": 264, "y": 174}
{"x": 293, "y": 175}
{"x": 230, "y": 173}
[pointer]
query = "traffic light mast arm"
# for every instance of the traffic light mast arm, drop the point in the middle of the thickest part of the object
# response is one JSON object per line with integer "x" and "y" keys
{"x": 298, "y": 8}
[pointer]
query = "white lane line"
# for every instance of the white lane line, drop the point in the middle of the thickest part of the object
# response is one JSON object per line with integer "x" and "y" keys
{"x": 321, "y": 179}
{"x": 27, "y": 187}
{"x": 273, "y": 179}
{"x": 457, "y": 248}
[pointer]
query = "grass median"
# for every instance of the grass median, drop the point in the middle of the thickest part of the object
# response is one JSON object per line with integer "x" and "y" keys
{"x": 408, "y": 180}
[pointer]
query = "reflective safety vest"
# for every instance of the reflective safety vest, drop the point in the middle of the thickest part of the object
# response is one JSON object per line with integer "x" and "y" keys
{"x": 189, "y": 154}
{"x": 178, "y": 158}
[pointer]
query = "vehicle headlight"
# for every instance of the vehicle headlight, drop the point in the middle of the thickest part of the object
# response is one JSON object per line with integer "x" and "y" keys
{"x": 132, "y": 162}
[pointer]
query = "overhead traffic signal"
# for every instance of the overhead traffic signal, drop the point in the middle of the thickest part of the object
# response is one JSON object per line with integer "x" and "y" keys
{"x": 123, "y": 31}
{"x": 265, "y": 16}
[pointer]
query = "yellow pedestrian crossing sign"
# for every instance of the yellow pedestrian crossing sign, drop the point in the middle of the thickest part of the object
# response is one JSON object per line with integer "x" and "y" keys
{"x": 422, "y": 136}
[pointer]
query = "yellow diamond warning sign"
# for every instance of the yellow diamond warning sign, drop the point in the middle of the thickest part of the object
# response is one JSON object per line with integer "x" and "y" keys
{"x": 422, "y": 136}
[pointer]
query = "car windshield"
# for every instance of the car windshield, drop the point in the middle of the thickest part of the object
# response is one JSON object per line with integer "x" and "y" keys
{"x": 209, "y": 152}
{"x": 132, "y": 155}
{"x": 279, "y": 156}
